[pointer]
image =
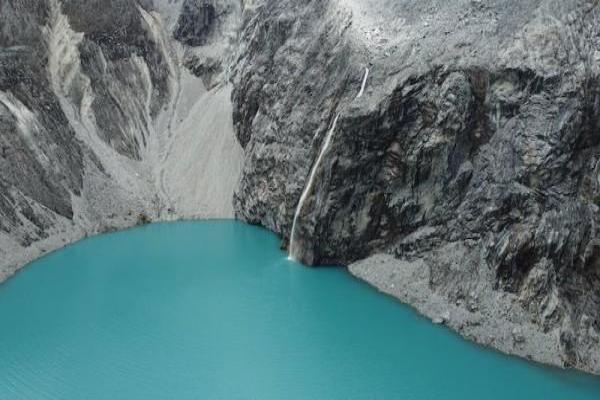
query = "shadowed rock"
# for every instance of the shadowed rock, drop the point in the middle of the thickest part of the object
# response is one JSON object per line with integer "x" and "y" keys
{"x": 477, "y": 132}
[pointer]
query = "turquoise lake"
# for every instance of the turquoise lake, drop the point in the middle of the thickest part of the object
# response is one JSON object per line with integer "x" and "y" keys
{"x": 214, "y": 310}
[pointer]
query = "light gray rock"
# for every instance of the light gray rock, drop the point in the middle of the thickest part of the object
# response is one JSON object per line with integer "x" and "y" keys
{"x": 104, "y": 123}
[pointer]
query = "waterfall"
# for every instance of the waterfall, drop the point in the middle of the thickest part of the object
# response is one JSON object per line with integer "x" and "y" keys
{"x": 294, "y": 249}
{"x": 364, "y": 83}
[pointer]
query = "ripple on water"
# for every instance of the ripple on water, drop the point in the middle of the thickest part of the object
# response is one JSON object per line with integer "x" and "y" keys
{"x": 214, "y": 310}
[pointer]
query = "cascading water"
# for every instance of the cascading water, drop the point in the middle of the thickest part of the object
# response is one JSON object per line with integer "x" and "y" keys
{"x": 294, "y": 248}
{"x": 364, "y": 83}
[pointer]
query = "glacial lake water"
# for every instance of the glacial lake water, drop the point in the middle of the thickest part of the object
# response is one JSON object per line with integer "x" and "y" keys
{"x": 214, "y": 310}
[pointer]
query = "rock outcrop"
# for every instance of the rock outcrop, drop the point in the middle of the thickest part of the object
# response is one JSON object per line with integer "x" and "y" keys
{"x": 460, "y": 175}
{"x": 473, "y": 154}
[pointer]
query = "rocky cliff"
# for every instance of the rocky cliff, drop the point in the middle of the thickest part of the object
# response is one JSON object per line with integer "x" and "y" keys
{"x": 470, "y": 163}
{"x": 446, "y": 150}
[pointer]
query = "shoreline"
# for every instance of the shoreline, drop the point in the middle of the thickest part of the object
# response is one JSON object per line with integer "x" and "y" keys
{"x": 497, "y": 322}
{"x": 71, "y": 233}
{"x": 20, "y": 258}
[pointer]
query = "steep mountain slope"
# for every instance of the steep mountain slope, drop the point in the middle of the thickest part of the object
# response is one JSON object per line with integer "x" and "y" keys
{"x": 470, "y": 159}
{"x": 106, "y": 120}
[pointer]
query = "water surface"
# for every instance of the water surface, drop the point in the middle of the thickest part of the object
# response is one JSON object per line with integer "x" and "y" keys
{"x": 213, "y": 310}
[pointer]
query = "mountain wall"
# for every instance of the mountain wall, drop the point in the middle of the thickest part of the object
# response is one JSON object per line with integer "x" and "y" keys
{"x": 467, "y": 172}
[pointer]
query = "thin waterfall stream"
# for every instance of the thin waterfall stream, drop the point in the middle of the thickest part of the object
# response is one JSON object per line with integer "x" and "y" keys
{"x": 364, "y": 84}
{"x": 294, "y": 247}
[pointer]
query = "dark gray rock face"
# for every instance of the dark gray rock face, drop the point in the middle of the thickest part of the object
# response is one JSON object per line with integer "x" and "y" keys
{"x": 40, "y": 159}
{"x": 196, "y": 22}
{"x": 111, "y": 39}
{"x": 479, "y": 130}
{"x": 208, "y": 23}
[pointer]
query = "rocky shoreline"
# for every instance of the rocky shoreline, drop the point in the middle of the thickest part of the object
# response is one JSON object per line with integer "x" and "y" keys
{"x": 473, "y": 148}
{"x": 487, "y": 317}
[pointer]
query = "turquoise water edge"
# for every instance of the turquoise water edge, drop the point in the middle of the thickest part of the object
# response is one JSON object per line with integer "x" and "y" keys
{"x": 214, "y": 310}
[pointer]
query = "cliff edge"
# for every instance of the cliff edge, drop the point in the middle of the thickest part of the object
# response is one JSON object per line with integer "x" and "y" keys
{"x": 458, "y": 140}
